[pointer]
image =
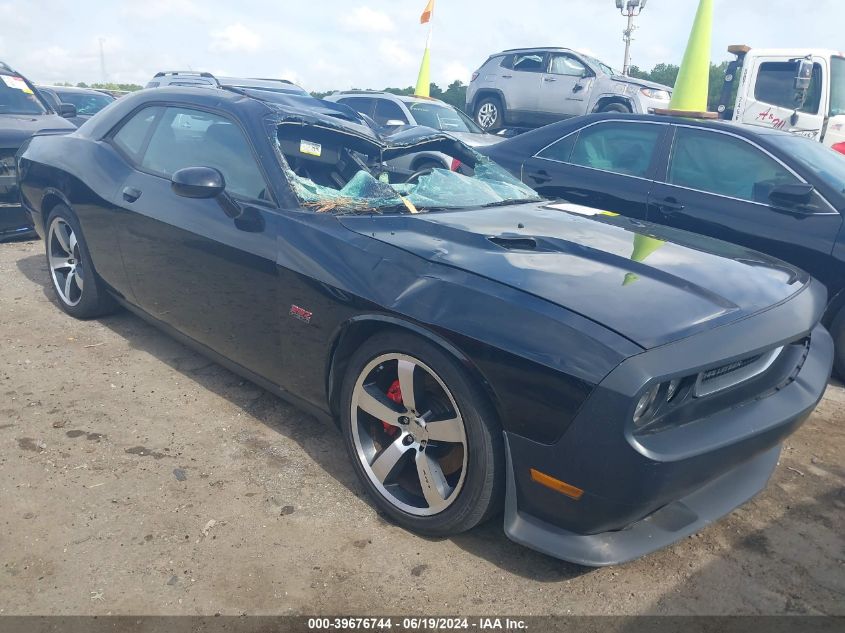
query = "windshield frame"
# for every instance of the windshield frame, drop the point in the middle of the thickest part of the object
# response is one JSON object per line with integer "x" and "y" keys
{"x": 304, "y": 148}
{"x": 37, "y": 98}
{"x": 814, "y": 157}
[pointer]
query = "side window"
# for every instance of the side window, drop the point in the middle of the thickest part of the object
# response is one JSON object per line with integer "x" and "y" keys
{"x": 529, "y": 62}
{"x": 388, "y": 111}
{"x": 560, "y": 150}
{"x": 192, "y": 138}
{"x": 131, "y": 136}
{"x": 566, "y": 65}
{"x": 623, "y": 148}
{"x": 775, "y": 86}
{"x": 364, "y": 105}
{"x": 725, "y": 165}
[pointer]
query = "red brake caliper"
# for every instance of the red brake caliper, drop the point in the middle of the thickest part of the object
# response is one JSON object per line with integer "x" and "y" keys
{"x": 395, "y": 394}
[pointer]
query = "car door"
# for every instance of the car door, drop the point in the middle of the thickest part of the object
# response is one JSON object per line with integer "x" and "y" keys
{"x": 718, "y": 183}
{"x": 566, "y": 87}
{"x": 521, "y": 78}
{"x": 770, "y": 101}
{"x": 190, "y": 265}
{"x": 608, "y": 165}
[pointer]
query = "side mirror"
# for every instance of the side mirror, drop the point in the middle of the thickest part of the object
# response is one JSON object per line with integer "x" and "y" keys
{"x": 802, "y": 83}
{"x": 197, "y": 182}
{"x": 67, "y": 110}
{"x": 791, "y": 195}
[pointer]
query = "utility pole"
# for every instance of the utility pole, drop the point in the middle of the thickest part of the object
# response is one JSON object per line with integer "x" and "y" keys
{"x": 629, "y": 9}
{"x": 103, "y": 77}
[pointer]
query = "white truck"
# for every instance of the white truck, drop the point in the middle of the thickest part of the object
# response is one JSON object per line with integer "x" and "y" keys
{"x": 798, "y": 90}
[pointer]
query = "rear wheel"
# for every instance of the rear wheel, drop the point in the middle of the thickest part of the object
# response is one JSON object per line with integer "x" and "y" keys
{"x": 422, "y": 436}
{"x": 490, "y": 114}
{"x": 78, "y": 290}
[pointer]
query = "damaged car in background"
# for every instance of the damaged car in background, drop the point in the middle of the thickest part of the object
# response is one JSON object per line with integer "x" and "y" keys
{"x": 610, "y": 385}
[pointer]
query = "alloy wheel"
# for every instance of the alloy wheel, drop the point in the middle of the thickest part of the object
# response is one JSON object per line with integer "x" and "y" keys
{"x": 408, "y": 434}
{"x": 64, "y": 259}
{"x": 488, "y": 114}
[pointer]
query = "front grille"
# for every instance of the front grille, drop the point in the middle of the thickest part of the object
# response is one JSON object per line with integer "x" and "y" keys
{"x": 732, "y": 374}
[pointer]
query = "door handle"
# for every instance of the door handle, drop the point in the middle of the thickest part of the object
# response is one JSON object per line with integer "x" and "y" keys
{"x": 670, "y": 205}
{"x": 540, "y": 177}
{"x": 131, "y": 194}
{"x": 549, "y": 79}
{"x": 507, "y": 76}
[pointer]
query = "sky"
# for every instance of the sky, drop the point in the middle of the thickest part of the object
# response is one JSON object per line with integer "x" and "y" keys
{"x": 342, "y": 44}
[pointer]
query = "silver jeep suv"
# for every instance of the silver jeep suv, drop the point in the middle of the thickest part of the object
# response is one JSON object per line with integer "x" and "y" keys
{"x": 528, "y": 87}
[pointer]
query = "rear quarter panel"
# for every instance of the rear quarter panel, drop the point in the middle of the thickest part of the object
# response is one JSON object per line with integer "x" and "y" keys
{"x": 83, "y": 175}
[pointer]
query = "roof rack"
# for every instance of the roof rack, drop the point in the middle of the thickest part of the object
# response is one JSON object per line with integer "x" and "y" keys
{"x": 284, "y": 81}
{"x": 189, "y": 73}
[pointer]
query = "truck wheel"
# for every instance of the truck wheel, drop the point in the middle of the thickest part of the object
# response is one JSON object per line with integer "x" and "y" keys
{"x": 490, "y": 114}
{"x": 615, "y": 107}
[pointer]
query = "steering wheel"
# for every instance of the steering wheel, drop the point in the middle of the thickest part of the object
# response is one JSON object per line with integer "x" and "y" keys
{"x": 425, "y": 171}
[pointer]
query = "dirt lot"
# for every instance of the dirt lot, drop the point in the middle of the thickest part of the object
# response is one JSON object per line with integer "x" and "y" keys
{"x": 138, "y": 477}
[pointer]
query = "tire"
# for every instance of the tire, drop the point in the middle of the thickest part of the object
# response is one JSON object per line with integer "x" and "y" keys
{"x": 490, "y": 114}
{"x": 78, "y": 290}
{"x": 837, "y": 331}
{"x": 616, "y": 107}
{"x": 462, "y": 459}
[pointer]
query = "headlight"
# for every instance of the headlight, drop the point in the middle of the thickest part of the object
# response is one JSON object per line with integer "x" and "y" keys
{"x": 644, "y": 405}
{"x": 655, "y": 93}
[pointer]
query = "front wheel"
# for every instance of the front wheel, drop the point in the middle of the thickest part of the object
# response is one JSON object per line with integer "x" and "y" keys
{"x": 78, "y": 290}
{"x": 489, "y": 114}
{"x": 421, "y": 435}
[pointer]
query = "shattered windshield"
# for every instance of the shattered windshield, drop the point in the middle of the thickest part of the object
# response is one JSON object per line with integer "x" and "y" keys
{"x": 341, "y": 171}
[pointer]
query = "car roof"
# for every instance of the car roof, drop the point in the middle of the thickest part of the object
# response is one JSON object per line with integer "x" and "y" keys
{"x": 231, "y": 100}
{"x": 744, "y": 129}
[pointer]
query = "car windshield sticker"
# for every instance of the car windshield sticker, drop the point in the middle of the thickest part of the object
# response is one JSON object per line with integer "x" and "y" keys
{"x": 312, "y": 149}
{"x": 16, "y": 82}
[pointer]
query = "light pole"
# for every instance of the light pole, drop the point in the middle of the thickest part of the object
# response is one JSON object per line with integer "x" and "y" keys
{"x": 630, "y": 9}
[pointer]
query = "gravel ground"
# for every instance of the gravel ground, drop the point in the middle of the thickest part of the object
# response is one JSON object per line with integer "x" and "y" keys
{"x": 137, "y": 477}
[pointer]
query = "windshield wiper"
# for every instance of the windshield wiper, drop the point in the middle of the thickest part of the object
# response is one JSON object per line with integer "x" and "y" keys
{"x": 506, "y": 203}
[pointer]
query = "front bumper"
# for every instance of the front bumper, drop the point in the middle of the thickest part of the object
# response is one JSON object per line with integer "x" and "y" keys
{"x": 14, "y": 220}
{"x": 642, "y": 493}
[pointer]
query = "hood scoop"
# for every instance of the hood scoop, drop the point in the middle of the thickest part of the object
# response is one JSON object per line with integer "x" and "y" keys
{"x": 515, "y": 242}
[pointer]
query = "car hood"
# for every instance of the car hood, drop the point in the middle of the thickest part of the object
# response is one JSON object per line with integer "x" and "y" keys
{"x": 477, "y": 140}
{"x": 641, "y": 82}
{"x": 16, "y": 128}
{"x": 651, "y": 284}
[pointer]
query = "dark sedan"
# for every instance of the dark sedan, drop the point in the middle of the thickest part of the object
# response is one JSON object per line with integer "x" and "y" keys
{"x": 612, "y": 385}
{"x": 86, "y": 101}
{"x": 775, "y": 192}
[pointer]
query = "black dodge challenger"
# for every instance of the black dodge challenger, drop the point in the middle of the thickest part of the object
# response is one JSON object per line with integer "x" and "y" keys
{"x": 611, "y": 385}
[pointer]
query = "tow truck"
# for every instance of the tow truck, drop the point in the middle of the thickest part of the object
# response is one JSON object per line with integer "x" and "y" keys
{"x": 797, "y": 90}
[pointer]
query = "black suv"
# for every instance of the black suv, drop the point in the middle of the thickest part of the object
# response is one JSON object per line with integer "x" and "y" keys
{"x": 22, "y": 113}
